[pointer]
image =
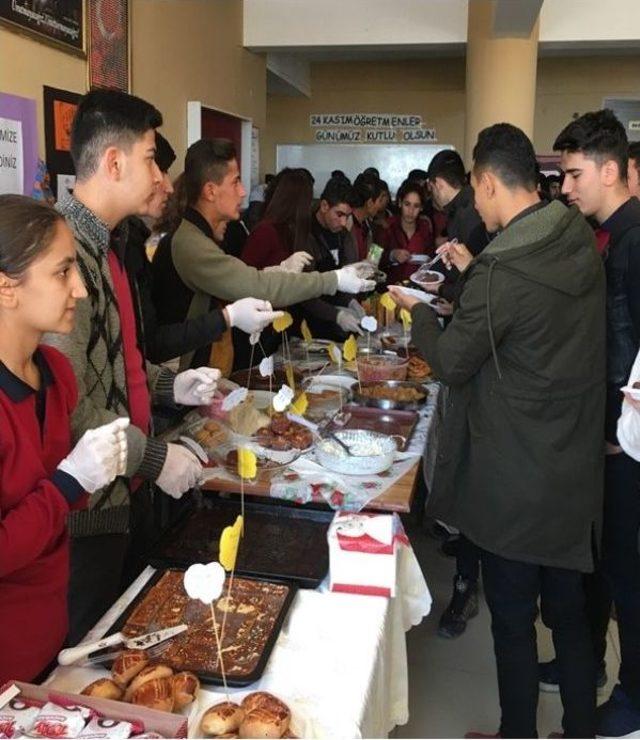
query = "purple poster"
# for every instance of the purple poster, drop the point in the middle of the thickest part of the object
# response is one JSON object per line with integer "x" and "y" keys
{"x": 18, "y": 144}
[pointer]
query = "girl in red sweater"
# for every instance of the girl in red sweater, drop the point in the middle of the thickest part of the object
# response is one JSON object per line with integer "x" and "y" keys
{"x": 41, "y": 477}
{"x": 408, "y": 235}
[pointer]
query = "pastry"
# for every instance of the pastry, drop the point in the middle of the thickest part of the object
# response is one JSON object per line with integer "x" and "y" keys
{"x": 155, "y": 694}
{"x": 266, "y": 723}
{"x": 104, "y": 688}
{"x": 185, "y": 687}
{"x": 127, "y": 665}
{"x": 222, "y": 718}
{"x": 262, "y": 699}
{"x": 150, "y": 673}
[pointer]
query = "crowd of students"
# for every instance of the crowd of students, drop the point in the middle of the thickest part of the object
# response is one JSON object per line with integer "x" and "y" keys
{"x": 537, "y": 463}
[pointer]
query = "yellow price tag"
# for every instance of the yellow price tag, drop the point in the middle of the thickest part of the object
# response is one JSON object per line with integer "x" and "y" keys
{"x": 350, "y": 349}
{"x": 334, "y": 353}
{"x": 283, "y": 322}
{"x": 387, "y": 302}
{"x": 247, "y": 463}
{"x": 291, "y": 380}
{"x": 306, "y": 333}
{"x": 405, "y": 317}
{"x": 300, "y": 405}
{"x": 229, "y": 543}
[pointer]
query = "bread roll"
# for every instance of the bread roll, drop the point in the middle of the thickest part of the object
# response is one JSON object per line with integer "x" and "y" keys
{"x": 157, "y": 693}
{"x": 127, "y": 665}
{"x": 185, "y": 688}
{"x": 262, "y": 722}
{"x": 150, "y": 673}
{"x": 104, "y": 688}
{"x": 263, "y": 700}
{"x": 222, "y": 718}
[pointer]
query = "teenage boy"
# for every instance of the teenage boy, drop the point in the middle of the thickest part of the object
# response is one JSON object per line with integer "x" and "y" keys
{"x": 190, "y": 269}
{"x": 594, "y": 153}
{"x": 519, "y": 463}
{"x": 113, "y": 150}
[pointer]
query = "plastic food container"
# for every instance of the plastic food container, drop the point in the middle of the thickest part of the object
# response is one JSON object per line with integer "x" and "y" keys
{"x": 427, "y": 279}
{"x": 372, "y": 452}
{"x": 382, "y": 367}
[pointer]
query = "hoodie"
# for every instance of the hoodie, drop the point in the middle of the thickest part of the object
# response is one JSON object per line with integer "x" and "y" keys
{"x": 519, "y": 467}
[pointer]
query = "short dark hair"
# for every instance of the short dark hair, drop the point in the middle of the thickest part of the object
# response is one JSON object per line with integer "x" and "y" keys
{"x": 165, "y": 156}
{"x": 207, "y": 160}
{"x": 507, "y": 151}
{"x": 338, "y": 190}
{"x": 634, "y": 153}
{"x": 409, "y": 186}
{"x": 417, "y": 176}
{"x": 371, "y": 171}
{"x": 599, "y": 135}
{"x": 107, "y": 118}
{"x": 449, "y": 166}
{"x": 366, "y": 187}
{"x": 27, "y": 227}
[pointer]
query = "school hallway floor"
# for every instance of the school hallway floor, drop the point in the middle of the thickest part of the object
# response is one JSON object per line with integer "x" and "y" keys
{"x": 452, "y": 683}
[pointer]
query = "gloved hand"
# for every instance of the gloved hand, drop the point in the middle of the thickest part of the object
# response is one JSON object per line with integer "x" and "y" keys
{"x": 180, "y": 472}
{"x": 349, "y": 280}
{"x": 297, "y": 262}
{"x": 348, "y": 321}
{"x": 251, "y": 314}
{"x": 357, "y": 308}
{"x": 99, "y": 456}
{"x": 196, "y": 387}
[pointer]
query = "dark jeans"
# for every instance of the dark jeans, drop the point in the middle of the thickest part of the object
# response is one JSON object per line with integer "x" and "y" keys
{"x": 468, "y": 559}
{"x": 618, "y": 575}
{"x": 512, "y": 589}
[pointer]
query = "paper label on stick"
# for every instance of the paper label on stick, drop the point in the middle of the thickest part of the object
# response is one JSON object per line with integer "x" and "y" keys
{"x": 229, "y": 542}
{"x": 387, "y": 302}
{"x": 235, "y": 398}
{"x": 350, "y": 349}
{"x": 405, "y": 317}
{"x": 282, "y": 323}
{"x": 290, "y": 376}
{"x": 247, "y": 463}
{"x": 282, "y": 398}
{"x": 300, "y": 405}
{"x": 204, "y": 582}
{"x": 306, "y": 333}
{"x": 266, "y": 367}
{"x": 369, "y": 323}
{"x": 334, "y": 353}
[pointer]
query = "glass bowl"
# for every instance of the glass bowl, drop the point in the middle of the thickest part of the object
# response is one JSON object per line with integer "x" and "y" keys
{"x": 382, "y": 367}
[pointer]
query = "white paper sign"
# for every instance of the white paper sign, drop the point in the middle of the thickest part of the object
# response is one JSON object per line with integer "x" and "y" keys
{"x": 282, "y": 398}
{"x": 368, "y": 323}
{"x": 11, "y": 156}
{"x": 235, "y": 398}
{"x": 204, "y": 582}
{"x": 266, "y": 367}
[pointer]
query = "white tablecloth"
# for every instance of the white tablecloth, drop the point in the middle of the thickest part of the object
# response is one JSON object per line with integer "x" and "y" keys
{"x": 340, "y": 660}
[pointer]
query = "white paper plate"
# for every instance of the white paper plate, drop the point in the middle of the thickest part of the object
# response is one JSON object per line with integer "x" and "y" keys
{"x": 418, "y": 259}
{"x": 423, "y": 297}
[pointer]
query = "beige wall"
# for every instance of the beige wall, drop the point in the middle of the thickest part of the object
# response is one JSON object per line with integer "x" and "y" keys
{"x": 435, "y": 89}
{"x": 181, "y": 50}
{"x": 192, "y": 50}
{"x": 432, "y": 88}
{"x": 26, "y": 65}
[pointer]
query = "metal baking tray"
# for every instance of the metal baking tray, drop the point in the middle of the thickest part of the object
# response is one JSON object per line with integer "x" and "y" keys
{"x": 281, "y": 542}
{"x": 215, "y": 678}
{"x": 388, "y": 404}
{"x": 394, "y": 421}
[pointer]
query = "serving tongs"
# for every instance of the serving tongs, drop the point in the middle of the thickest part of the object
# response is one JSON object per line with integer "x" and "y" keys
{"x": 142, "y": 642}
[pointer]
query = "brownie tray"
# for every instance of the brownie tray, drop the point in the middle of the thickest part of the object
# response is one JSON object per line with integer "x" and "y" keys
{"x": 280, "y": 542}
{"x": 244, "y": 625}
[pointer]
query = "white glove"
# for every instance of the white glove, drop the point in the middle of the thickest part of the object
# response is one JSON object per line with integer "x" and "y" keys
{"x": 196, "y": 387}
{"x": 349, "y": 280}
{"x": 99, "y": 456}
{"x": 180, "y": 472}
{"x": 251, "y": 314}
{"x": 297, "y": 262}
{"x": 348, "y": 321}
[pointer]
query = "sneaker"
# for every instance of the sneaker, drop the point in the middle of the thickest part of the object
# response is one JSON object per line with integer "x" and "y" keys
{"x": 449, "y": 547}
{"x": 549, "y": 677}
{"x": 618, "y": 717}
{"x": 463, "y": 606}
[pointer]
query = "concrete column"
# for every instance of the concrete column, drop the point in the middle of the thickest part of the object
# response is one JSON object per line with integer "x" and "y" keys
{"x": 501, "y": 75}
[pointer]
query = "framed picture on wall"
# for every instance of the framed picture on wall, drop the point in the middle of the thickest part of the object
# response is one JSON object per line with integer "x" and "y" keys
{"x": 57, "y": 22}
{"x": 109, "y": 52}
{"x": 59, "y": 110}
